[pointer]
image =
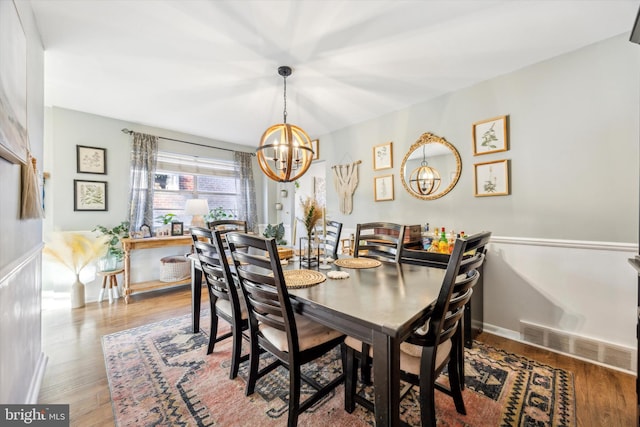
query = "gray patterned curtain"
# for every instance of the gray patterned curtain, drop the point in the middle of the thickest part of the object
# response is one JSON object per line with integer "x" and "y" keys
{"x": 144, "y": 153}
{"x": 247, "y": 199}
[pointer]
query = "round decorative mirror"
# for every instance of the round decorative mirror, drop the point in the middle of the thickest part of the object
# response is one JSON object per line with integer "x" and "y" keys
{"x": 431, "y": 167}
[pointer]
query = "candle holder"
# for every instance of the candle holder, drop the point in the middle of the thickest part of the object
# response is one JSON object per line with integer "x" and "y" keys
{"x": 309, "y": 253}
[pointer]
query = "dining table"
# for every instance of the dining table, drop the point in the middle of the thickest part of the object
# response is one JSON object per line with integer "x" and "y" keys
{"x": 378, "y": 305}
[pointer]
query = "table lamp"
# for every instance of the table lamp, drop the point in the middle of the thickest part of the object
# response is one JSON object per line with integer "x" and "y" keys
{"x": 197, "y": 208}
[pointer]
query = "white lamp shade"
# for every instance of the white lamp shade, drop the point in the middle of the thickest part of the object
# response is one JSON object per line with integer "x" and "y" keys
{"x": 196, "y": 207}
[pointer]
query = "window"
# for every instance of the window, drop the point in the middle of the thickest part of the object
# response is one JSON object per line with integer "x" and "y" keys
{"x": 181, "y": 177}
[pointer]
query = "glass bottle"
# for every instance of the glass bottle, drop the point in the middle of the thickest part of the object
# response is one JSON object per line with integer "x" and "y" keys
{"x": 444, "y": 243}
{"x": 426, "y": 237}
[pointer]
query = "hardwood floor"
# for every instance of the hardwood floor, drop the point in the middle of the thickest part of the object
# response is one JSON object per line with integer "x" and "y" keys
{"x": 76, "y": 372}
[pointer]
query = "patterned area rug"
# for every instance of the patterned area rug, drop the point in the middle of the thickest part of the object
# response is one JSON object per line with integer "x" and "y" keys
{"x": 160, "y": 375}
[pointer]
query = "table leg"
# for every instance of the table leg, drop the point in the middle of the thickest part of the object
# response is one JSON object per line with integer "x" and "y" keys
{"x": 196, "y": 296}
{"x": 127, "y": 275}
{"x": 386, "y": 374}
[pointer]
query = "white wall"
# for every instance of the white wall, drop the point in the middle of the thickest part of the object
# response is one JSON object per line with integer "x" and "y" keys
{"x": 574, "y": 142}
{"x": 21, "y": 359}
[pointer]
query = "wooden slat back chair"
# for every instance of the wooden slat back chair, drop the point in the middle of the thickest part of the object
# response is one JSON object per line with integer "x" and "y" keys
{"x": 331, "y": 242}
{"x": 424, "y": 354}
{"x": 379, "y": 240}
{"x": 472, "y": 260}
{"x": 293, "y": 339}
{"x": 227, "y": 225}
{"x": 224, "y": 297}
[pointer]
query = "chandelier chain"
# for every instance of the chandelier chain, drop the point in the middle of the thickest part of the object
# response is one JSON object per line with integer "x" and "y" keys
{"x": 284, "y": 112}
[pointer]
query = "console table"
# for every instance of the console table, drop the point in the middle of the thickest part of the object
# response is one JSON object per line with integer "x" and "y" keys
{"x": 129, "y": 244}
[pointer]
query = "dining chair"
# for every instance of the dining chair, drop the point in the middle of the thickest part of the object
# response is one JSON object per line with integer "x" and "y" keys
{"x": 224, "y": 296}
{"x": 293, "y": 339}
{"x": 382, "y": 241}
{"x": 379, "y": 240}
{"x": 330, "y": 242}
{"x": 473, "y": 259}
{"x": 429, "y": 348}
{"x": 227, "y": 225}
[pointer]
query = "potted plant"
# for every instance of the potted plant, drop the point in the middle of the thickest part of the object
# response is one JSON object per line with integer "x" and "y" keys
{"x": 217, "y": 214}
{"x": 166, "y": 218}
{"x": 275, "y": 232}
{"x": 112, "y": 237}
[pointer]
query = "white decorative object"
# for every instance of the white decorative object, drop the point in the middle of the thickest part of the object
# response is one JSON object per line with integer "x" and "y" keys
{"x": 338, "y": 275}
{"x": 345, "y": 178}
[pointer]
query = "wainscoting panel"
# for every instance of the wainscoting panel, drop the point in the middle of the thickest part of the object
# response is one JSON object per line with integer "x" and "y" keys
{"x": 573, "y": 297}
{"x": 21, "y": 359}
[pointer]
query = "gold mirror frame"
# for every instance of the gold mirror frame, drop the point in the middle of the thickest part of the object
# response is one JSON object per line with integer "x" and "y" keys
{"x": 429, "y": 138}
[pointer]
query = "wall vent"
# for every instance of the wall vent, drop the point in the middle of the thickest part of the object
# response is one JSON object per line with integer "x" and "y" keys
{"x": 579, "y": 346}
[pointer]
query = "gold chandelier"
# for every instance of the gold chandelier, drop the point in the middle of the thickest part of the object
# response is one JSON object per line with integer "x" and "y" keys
{"x": 285, "y": 152}
{"x": 424, "y": 179}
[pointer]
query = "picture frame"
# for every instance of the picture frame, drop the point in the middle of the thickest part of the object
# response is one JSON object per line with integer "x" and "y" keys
{"x": 315, "y": 146}
{"x": 91, "y": 160}
{"x": 491, "y": 178}
{"x": 383, "y": 156}
{"x": 490, "y": 136}
{"x": 383, "y": 188}
{"x": 145, "y": 230}
{"x": 90, "y": 195}
{"x": 14, "y": 138}
{"x": 177, "y": 228}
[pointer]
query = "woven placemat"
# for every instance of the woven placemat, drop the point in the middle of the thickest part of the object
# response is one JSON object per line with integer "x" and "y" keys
{"x": 357, "y": 262}
{"x": 296, "y": 279}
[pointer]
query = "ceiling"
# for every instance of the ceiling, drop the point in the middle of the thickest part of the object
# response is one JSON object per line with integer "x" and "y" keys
{"x": 209, "y": 67}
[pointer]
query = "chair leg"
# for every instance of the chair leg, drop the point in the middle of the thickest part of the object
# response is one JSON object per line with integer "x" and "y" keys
{"x": 214, "y": 330}
{"x": 459, "y": 342}
{"x": 350, "y": 380}
{"x": 236, "y": 351}
{"x": 294, "y": 393}
{"x": 365, "y": 364}
{"x": 254, "y": 359}
{"x": 427, "y": 389}
{"x": 454, "y": 383}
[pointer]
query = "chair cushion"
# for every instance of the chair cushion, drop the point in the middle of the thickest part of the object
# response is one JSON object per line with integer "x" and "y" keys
{"x": 310, "y": 334}
{"x": 225, "y": 306}
{"x": 410, "y": 354}
{"x": 411, "y": 364}
{"x": 357, "y": 345}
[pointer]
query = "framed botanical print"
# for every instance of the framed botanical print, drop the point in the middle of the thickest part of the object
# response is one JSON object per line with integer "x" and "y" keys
{"x": 315, "y": 146}
{"x": 383, "y": 156}
{"x": 89, "y": 195}
{"x": 491, "y": 178}
{"x": 490, "y": 136}
{"x": 383, "y": 188}
{"x": 91, "y": 159}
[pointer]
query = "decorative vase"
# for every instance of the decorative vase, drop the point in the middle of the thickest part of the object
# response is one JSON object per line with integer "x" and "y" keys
{"x": 108, "y": 263}
{"x": 77, "y": 293}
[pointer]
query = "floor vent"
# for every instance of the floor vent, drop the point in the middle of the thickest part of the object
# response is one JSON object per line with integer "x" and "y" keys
{"x": 576, "y": 345}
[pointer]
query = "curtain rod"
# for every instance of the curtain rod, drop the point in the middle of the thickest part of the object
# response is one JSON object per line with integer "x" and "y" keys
{"x": 125, "y": 130}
